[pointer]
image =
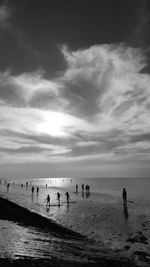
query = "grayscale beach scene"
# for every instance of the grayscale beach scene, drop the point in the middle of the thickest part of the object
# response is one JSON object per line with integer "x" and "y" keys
{"x": 75, "y": 133}
{"x": 94, "y": 227}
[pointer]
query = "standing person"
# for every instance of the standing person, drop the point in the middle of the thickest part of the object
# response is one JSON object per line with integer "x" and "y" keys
{"x": 8, "y": 185}
{"x": 32, "y": 189}
{"x": 58, "y": 198}
{"x": 68, "y": 197}
{"x": 37, "y": 190}
{"x": 48, "y": 200}
{"x": 124, "y": 196}
{"x": 82, "y": 187}
{"x": 76, "y": 188}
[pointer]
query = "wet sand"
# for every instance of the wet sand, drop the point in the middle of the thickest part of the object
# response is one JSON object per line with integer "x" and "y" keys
{"x": 114, "y": 233}
{"x": 12, "y": 212}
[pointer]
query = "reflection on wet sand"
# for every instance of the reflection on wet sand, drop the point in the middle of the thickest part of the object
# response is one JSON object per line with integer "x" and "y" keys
{"x": 125, "y": 209}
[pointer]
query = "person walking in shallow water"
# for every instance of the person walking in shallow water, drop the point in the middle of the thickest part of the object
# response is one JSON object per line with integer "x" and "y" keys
{"x": 48, "y": 200}
{"x": 76, "y": 188}
{"x": 37, "y": 190}
{"x": 58, "y": 198}
{"x": 68, "y": 197}
{"x": 32, "y": 189}
{"x": 124, "y": 196}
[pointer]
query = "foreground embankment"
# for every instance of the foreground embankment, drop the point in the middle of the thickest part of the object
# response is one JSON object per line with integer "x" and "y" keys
{"x": 13, "y": 212}
{"x": 77, "y": 253}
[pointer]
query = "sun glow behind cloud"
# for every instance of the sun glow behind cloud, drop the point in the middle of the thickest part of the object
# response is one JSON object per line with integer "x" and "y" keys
{"x": 98, "y": 108}
{"x": 54, "y": 123}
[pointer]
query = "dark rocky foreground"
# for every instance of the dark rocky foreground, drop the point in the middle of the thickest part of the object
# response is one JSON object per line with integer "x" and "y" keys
{"x": 63, "y": 263}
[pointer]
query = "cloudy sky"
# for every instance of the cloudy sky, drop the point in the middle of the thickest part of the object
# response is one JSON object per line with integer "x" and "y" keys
{"x": 74, "y": 88}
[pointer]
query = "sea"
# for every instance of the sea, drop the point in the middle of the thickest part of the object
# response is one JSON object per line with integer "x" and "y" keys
{"x": 97, "y": 214}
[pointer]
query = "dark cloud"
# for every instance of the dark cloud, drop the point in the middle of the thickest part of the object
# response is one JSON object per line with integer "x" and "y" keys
{"x": 24, "y": 150}
{"x": 46, "y": 100}
{"x": 8, "y": 93}
{"x": 140, "y": 137}
{"x": 38, "y": 138}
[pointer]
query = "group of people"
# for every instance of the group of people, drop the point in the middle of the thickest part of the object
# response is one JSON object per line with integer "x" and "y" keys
{"x": 47, "y": 200}
{"x": 87, "y": 188}
{"x": 37, "y": 190}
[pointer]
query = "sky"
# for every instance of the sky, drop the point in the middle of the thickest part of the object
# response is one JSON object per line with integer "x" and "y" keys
{"x": 74, "y": 88}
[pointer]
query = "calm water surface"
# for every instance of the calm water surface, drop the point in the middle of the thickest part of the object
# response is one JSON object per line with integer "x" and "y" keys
{"x": 99, "y": 216}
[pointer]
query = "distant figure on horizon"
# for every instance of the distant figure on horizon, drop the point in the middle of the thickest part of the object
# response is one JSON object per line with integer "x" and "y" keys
{"x": 124, "y": 196}
{"x": 87, "y": 189}
{"x": 68, "y": 197}
{"x": 46, "y": 185}
{"x": 48, "y": 200}
{"x": 37, "y": 190}
{"x": 8, "y": 185}
{"x": 76, "y": 188}
{"x": 58, "y": 198}
{"x": 82, "y": 187}
{"x": 32, "y": 189}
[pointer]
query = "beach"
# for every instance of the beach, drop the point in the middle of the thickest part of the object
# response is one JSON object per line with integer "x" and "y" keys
{"x": 90, "y": 231}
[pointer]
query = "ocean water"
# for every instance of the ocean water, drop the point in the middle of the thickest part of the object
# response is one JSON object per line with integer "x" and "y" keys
{"x": 136, "y": 187}
{"x": 98, "y": 215}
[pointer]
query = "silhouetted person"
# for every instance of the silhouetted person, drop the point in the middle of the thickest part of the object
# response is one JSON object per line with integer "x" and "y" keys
{"x": 87, "y": 188}
{"x": 37, "y": 190}
{"x": 68, "y": 197}
{"x": 76, "y": 188}
{"x": 82, "y": 187}
{"x": 58, "y": 198}
{"x": 124, "y": 196}
{"x": 46, "y": 185}
{"x": 87, "y": 191}
{"x": 8, "y": 185}
{"x": 32, "y": 189}
{"x": 48, "y": 200}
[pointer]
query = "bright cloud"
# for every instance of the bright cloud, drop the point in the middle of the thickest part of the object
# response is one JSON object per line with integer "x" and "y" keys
{"x": 99, "y": 105}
